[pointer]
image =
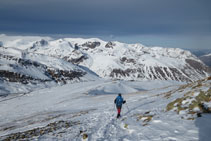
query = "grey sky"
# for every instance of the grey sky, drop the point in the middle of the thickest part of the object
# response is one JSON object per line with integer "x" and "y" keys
{"x": 173, "y": 23}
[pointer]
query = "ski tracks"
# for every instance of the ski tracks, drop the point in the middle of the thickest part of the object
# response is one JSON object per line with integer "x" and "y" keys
{"x": 105, "y": 126}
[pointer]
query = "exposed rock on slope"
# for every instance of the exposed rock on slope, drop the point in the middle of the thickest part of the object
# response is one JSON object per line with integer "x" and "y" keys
{"x": 20, "y": 67}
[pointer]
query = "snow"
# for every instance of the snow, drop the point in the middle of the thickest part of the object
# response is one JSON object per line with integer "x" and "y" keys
{"x": 112, "y": 88}
{"x": 196, "y": 109}
{"x": 207, "y": 104}
{"x": 196, "y": 94}
{"x": 207, "y": 54}
{"x": 187, "y": 101}
{"x": 11, "y": 51}
{"x": 21, "y": 42}
{"x": 97, "y": 114}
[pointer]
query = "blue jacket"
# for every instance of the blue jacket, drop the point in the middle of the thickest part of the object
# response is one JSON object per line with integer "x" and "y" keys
{"x": 119, "y": 101}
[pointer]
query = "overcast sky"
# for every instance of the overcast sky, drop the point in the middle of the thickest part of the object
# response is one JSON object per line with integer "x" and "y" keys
{"x": 168, "y": 23}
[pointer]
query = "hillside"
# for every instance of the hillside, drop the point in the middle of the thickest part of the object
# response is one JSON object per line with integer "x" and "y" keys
{"x": 68, "y": 112}
{"x": 22, "y": 71}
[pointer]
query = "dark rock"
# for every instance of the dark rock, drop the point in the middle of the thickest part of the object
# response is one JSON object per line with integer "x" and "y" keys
{"x": 126, "y": 60}
{"x": 91, "y": 44}
{"x": 76, "y": 47}
{"x": 159, "y": 72}
{"x": 40, "y": 43}
{"x": 197, "y": 65}
{"x": 64, "y": 75}
{"x": 110, "y": 45}
{"x": 198, "y": 114}
{"x": 120, "y": 72}
{"x": 78, "y": 60}
{"x": 43, "y": 42}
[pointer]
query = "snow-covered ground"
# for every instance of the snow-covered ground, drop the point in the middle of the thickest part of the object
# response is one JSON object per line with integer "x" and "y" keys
{"x": 86, "y": 111}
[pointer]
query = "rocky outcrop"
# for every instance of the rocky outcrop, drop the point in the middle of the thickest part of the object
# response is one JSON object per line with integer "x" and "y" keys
{"x": 151, "y": 73}
{"x": 201, "y": 68}
{"x": 110, "y": 45}
{"x": 78, "y": 60}
{"x": 127, "y": 60}
{"x": 91, "y": 45}
{"x": 18, "y": 77}
{"x": 18, "y": 65}
{"x": 64, "y": 75}
{"x": 40, "y": 43}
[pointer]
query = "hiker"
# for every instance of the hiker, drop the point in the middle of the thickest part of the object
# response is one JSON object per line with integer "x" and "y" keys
{"x": 119, "y": 101}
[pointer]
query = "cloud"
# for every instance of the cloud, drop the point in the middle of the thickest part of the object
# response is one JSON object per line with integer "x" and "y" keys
{"x": 106, "y": 17}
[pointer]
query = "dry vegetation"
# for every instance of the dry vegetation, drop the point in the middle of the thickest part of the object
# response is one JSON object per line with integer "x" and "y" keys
{"x": 193, "y": 100}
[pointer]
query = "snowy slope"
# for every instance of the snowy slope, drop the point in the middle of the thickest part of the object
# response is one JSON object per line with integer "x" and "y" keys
{"x": 23, "y": 72}
{"x": 68, "y": 113}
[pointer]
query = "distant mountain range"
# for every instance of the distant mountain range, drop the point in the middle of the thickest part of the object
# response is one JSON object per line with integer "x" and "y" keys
{"x": 36, "y": 60}
{"x": 115, "y": 60}
{"x": 206, "y": 59}
{"x": 203, "y": 55}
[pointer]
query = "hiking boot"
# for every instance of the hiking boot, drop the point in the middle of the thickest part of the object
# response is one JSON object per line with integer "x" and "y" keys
{"x": 118, "y": 115}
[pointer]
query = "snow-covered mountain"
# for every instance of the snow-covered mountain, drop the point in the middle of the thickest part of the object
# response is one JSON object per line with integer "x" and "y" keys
{"x": 43, "y": 60}
{"x": 115, "y": 60}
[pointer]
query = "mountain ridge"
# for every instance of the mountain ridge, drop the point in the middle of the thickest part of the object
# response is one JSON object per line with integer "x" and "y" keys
{"x": 42, "y": 59}
{"x": 115, "y": 60}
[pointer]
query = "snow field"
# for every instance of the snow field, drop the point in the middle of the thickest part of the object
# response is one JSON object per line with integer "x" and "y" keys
{"x": 144, "y": 116}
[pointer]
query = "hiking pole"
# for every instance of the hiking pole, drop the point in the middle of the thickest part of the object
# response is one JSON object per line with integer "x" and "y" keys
{"x": 127, "y": 107}
{"x": 114, "y": 107}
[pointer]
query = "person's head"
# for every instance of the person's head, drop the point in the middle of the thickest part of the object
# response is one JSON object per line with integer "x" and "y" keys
{"x": 120, "y": 94}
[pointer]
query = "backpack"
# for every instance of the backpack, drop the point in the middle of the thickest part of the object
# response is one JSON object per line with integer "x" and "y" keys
{"x": 119, "y": 101}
